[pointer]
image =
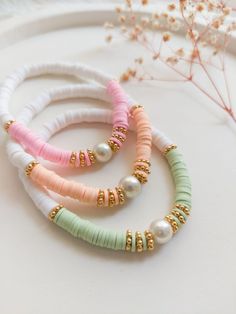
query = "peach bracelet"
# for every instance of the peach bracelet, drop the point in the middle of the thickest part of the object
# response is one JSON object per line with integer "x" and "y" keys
{"x": 128, "y": 187}
{"x": 35, "y": 144}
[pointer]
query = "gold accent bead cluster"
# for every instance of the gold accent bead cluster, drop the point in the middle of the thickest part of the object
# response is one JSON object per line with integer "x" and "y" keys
{"x": 111, "y": 197}
{"x": 8, "y": 124}
{"x": 142, "y": 170}
{"x": 81, "y": 156}
{"x": 112, "y": 143}
{"x": 177, "y": 216}
{"x": 52, "y": 214}
{"x": 149, "y": 239}
{"x": 140, "y": 242}
{"x": 30, "y": 167}
{"x": 169, "y": 148}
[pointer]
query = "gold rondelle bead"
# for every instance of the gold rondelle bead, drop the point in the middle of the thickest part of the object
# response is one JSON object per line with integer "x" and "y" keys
{"x": 169, "y": 148}
{"x": 139, "y": 242}
{"x": 100, "y": 198}
{"x": 82, "y": 159}
{"x": 8, "y": 124}
{"x": 134, "y": 107}
{"x": 128, "y": 246}
{"x": 184, "y": 208}
{"x": 111, "y": 198}
{"x": 149, "y": 239}
{"x": 142, "y": 178}
{"x": 145, "y": 161}
{"x": 92, "y": 156}
{"x": 30, "y": 167}
{"x": 119, "y": 129}
{"x": 142, "y": 168}
{"x": 52, "y": 214}
{"x": 73, "y": 158}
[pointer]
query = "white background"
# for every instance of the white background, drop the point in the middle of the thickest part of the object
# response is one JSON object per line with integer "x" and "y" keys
{"x": 45, "y": 270}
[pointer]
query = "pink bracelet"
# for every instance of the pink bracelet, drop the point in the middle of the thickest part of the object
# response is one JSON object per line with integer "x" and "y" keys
{"x": 101, "y": 152}
{"x": 128, "y": 187}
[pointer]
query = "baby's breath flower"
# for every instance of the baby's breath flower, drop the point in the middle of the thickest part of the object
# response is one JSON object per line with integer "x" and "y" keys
{"x": 156, "y": 25}
{"x": 171, "y": 7}
{"x": 175, "y": 26}
{"x": 213, "y": 39}
{"x": 145, "y": 21}
{"x": 211, "y": 6}
{"x": 226, "y": 11}
{"x": 216, "y": 23}
{"x": 124, "y": 77}
{"x": 122, "y": 19}
{"x": 123, "y": 29}
{"x": 173, "y": 60}
{"x": 138, "y": 29}
{"x": 192, "y": 34}
{"x": 144, "y": 2}
{"x": 156, "y": 56}
{"x": 129, "y": 3}
{"x": 131, "y": 72}
{"x": 139, "y": 60}
{"x": 164, "y": 15}
{"x": 108, "y": 38}
{"x": 166, "y": 36}
{"x": 155, "y": 15}
{"x": 171, "y": 20}
{"x": 182, "y": 4}
{"x": 108, "y": 25}
{"x": 180, "y": 52}
{"x": 118, "y": 9}
{"x": 200, "y": 7}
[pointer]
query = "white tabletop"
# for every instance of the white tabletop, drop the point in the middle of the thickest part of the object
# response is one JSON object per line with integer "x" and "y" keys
{"x": 45, "y": 270}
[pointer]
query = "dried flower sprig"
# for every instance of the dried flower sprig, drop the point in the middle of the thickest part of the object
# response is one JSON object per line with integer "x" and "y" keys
{"x": 205, "y": 46}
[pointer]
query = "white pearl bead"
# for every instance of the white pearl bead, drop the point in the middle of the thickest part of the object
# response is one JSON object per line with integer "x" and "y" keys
{"x": 161, "y": 230}
{"x": 131, "y": 186}
{"x": 102, "y": 152}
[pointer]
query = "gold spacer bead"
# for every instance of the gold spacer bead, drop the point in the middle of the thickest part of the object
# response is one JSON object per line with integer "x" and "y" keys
{"x": 121, "y": 195}
{"x": 92, "y": 156}
{"x": 128, "y": 245}
{"x": 82, "y": 159}
{"x": 100, "y": 198}
{"x": 8, "y": 124}
{"x": 142, "y": 179}
{"x": 120, "y": 129}
{"x": 30, "y": 167}
{"x": 144, "y": 161}
{"x": 73, "y": 158}
{"x": 142, "y": 168}
{"x": 111, "y": 198}
{"x": 114, "y": 146}
{"x": 184, "y": 208}
{"x": 139, "y": 242}
{"x": 150, "y": 240}
{"x": 134, "y": 107}
{"x": 169, "y": 148}
{"x": 181, "y": 219}
{"x": 52, "y": 214}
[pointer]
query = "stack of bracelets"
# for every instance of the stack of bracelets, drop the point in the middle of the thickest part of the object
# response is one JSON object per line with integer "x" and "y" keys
{"x": 25, "y": 147}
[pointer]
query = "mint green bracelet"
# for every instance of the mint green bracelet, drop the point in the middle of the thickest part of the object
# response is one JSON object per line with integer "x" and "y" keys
{"x": 128, "y": 240}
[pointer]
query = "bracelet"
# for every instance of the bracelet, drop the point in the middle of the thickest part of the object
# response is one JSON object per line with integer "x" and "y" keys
{"x": 159, "y": 232}
{"x": 34, "y": 143}
{"x": 128, "y": 187}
